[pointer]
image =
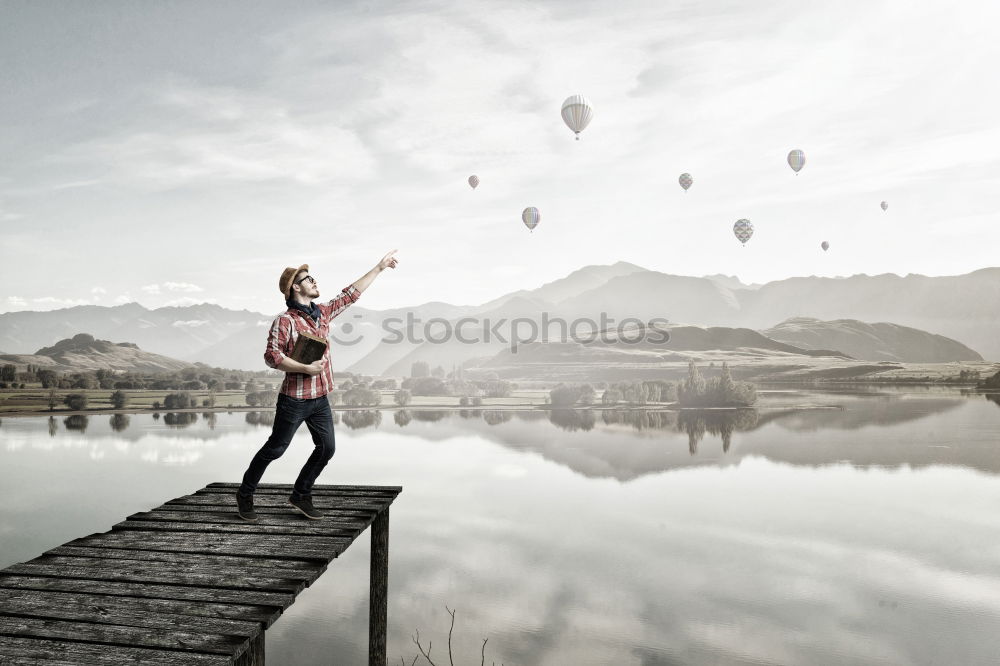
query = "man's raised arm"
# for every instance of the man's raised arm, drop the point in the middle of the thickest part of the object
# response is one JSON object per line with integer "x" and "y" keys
{"x": 388, "y": 261}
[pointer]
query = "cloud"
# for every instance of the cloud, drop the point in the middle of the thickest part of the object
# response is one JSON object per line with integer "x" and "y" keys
{"x": 98, "y": 290}
{"x": 181, "y": 286}
{"x": 16, "y": 301}
{"x": 199, "y": 134}
{"x": 123, "y": 298}
{"x": 192, "y": 323}
{"x": 60, "y": 302}
{"x": 151, "y": 289}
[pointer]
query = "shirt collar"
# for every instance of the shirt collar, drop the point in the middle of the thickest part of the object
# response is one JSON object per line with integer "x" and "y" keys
{"x": 311, "y": 310}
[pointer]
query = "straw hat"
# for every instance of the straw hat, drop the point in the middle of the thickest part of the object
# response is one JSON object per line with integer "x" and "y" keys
{"x": 288, "y": 277}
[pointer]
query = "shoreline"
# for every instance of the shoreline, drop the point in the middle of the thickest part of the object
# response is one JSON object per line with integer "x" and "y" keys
{"x": 661, "y": 407}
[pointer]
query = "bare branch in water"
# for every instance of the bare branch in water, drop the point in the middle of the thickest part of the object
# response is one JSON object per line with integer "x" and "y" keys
{"x": 427, "y": 655}
{"x": 452, "y": 613}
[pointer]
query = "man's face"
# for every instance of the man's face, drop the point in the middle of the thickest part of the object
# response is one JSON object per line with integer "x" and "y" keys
{"x": 306, "y": 286}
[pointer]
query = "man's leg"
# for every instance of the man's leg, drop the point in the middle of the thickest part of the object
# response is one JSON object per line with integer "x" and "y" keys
{"x": 320, "y": 424}
{"x": 288, "y": 416}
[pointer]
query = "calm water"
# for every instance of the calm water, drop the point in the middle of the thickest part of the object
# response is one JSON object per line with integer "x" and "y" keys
{"x": 864, "y": 533}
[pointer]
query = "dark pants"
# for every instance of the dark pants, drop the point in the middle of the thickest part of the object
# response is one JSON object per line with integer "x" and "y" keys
{"x": 288, "y": 416}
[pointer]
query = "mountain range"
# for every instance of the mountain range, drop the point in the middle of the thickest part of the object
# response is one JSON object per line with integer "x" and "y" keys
{"x": 878, "y": 318}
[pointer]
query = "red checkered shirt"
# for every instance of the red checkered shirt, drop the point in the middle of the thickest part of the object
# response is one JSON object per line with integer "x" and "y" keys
{"x": 285, "y": 331}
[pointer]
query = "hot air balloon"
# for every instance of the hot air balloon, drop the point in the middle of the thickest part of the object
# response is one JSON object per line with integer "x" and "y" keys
{"x": 685, "y": 180}
{"x": 577, "y": 113}
{"x": 825, "y": 246}
{"x": 531, "y": 216}
{"x": 743, "y": 230}
{"x": 473, "y": 181}
{"x": 885, "y": 205}
{"x": 796, "y": 160}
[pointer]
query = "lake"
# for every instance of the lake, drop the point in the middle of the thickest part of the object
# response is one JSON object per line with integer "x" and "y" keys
{"x": 862, "y": 529}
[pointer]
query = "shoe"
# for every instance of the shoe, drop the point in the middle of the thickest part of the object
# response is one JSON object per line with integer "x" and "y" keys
{"x": 305, "y": 506}
{"x": 244, "y": 506}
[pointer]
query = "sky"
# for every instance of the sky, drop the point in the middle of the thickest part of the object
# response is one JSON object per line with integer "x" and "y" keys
{"x": 182, "y": 152}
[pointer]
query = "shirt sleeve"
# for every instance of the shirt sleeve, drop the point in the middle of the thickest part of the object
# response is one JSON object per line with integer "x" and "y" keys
{"x": 348, "y": 295}
{"x": 277, "y": 341}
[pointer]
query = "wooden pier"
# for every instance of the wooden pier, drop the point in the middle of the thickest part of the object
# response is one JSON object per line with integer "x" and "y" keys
{"x": 189, "y": 582}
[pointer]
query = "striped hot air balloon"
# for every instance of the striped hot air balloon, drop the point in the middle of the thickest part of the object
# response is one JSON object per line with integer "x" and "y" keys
{"x": 796, "y": 160}
{"x": 577, "y": 113}
{"x": 825, "y": 246}
{"x": 531, "y": 217}
{"x": 743, "y": 230}
{"x": 473, "y": 181}
{"x": 686, "y": 181}
{"x": 885, "y": 206}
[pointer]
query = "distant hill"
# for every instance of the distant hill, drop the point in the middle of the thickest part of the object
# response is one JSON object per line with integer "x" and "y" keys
{"x": 172, "y": 331}
{"x": 730, "y": 281}
{"x": 871, "y": 342}
{"x": 83, "y": 353}
{"x": 577, "y": 282}
{"x": 612, "y": 359}
{"x": 961, "y": 308}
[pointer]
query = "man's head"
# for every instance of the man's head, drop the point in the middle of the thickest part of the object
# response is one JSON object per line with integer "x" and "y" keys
{"x": 297, "y": 284}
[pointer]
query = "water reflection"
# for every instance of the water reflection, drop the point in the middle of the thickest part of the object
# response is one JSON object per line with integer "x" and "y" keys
{"x": 259, "y": 418}
{"x": 366, "y": 418}
{"x": 119, "y": 422}
{"x": 573, "y": 419}
{"x": 179, "y": 419}
{"x": 77, "y": 422}
{"x": 429, "y": 415}
{"x": 792, "y": 426}
{"x": 496, "y": 416}
{"x": 697, "y": 422}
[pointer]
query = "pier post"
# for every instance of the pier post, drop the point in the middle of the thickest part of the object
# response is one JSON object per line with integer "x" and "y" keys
{"x": 377, "y": 614}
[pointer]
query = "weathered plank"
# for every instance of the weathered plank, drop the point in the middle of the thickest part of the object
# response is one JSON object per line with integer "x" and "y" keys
{"x": 279, "y": 511}
{"x": 59, "y": 653}
{"x": 305, "y": 527}
{"x": 361, "y": 504}
{"x": 215, "y": 516}
{"x": 255, "y": 614}
{"x": 123, "y": 611}
{"x": 141, "y": 573}
{"x": 210, "y": 572}
{"x": 309, "y": 571}
{"x": 301, "y": 548}
{"x": 85, "y": 632}
{"x": 269, "y": 604}
{"x": 317, "y": 489}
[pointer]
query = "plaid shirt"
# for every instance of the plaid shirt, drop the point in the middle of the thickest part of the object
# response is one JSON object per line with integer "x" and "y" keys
{"x": 285, "y": 331}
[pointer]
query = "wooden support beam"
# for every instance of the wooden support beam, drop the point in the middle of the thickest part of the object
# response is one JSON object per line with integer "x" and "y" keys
{"x": 378, "y": 594}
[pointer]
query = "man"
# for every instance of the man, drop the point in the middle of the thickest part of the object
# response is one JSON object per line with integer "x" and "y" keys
{"x": 303, "y": 393}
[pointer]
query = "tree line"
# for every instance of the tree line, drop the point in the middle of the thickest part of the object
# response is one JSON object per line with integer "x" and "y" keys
{"x": 693, "y": 391}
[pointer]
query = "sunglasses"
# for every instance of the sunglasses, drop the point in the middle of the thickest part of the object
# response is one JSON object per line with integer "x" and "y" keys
{"x": 308, "y": 277}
